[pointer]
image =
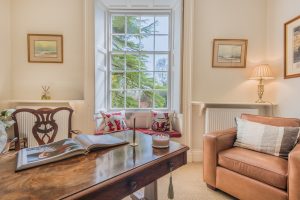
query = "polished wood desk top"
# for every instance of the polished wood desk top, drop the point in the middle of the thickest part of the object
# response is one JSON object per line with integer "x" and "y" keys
{"x": 79, "y": 175}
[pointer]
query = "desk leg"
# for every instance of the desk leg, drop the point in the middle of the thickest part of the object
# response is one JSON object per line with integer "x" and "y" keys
{"x": 150, "y": 193}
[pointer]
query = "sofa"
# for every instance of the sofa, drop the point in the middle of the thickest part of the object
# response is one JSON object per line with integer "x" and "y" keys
{"x": 247, "y": 174}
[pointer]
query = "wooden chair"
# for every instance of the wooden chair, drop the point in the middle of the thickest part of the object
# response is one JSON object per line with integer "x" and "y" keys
{"x": 41, "y": 126}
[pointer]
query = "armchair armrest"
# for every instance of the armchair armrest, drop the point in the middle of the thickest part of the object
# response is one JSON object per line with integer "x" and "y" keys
{"x": 213, "y": 143}
{"x": 294, "y": 173}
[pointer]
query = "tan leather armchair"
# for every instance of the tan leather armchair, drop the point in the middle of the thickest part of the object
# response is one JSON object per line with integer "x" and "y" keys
{"x": 247, "y": 174}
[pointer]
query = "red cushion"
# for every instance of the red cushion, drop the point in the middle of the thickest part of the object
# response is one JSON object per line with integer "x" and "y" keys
{"x": 114, "y": 121}
{"x": 161, "y": 121}
{"x": 174, "y": 134}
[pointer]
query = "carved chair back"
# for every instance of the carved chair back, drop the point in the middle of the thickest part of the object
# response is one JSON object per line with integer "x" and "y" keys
{"x": 41, "y": 126}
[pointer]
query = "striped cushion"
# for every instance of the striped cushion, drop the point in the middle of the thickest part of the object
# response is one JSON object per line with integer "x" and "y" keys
{"x": 274, "y": 140}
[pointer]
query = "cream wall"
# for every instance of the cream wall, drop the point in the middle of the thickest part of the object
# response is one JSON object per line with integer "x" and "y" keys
{"x": 244, "y": 19}
{"x": 5, "y": 50}
{"x": 48, "y": 17}
{"x": 262, "y": 23}
{"x": 287, "y": 95}
{"x": 22, "y": 80}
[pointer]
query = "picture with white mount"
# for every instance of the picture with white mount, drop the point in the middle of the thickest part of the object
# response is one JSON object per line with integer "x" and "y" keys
{"x": 45, "y": 49}
{"x": 229, "y": 53}
{"x": 297, "y": 44}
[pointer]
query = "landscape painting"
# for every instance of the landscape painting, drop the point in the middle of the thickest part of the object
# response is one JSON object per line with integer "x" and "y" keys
{"x": 292, "y": 48}
{"x": 229, "y": 53}
{"x": 45, "y": 48}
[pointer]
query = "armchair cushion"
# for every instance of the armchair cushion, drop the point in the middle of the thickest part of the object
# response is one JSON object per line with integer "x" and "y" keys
{"x": 262, "y": 167}
{"x": 274, "y": 140}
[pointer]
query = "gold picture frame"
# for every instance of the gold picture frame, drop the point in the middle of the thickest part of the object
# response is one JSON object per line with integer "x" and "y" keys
{"x": 45, "y": 48}
{"x": 229, "y": 53}
{"x": 292, "y": 48}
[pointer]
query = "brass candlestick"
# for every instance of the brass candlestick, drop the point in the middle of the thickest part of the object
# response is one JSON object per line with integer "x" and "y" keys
{"x": 133, "y": 140}
{"x": 133, "y": 156}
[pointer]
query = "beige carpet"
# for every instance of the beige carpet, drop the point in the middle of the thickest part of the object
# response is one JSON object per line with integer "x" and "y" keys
{"x": 188, "y": 185}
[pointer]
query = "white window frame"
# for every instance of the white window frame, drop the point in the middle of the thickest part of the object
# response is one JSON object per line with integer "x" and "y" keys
{"x": 169, "y": 52}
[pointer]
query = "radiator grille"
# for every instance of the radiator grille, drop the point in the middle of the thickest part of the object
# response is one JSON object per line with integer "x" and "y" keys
{"x": 223, "y": 118}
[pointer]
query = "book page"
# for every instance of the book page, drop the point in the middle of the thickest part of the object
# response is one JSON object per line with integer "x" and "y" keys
{"x": 48, "y": 152}
{"x": 84, "y": 140}
{"x": 98, "y": 141}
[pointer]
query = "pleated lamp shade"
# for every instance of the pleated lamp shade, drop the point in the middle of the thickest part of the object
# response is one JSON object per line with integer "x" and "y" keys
{"x": 262, "y": 72}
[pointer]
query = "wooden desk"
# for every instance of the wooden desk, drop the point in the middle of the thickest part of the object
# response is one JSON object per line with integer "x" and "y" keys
{"x": 109, "y": 174}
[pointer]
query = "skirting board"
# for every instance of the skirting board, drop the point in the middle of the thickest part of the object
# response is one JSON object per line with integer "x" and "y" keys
{"x": 195, "y": 155}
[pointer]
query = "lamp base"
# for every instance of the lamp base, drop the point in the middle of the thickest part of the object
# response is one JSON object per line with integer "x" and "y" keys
{"x": 260, "y": 92}
{"x": 260, "y": 101}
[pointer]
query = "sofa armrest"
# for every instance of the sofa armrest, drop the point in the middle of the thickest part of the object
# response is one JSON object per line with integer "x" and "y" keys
{"x": 294, "y": 173}
{"x": 213, "y": 143}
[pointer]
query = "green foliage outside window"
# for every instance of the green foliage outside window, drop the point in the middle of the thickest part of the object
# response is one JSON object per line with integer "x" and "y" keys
{"x": 144, "y": 87}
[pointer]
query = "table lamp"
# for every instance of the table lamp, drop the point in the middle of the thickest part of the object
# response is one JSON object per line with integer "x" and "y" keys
{"x": 261, "y": 72}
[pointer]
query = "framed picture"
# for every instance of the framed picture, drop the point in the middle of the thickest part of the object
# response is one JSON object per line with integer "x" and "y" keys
{"x": 43, "y": 48}
{"x": 292, "y": 48}
{"x": 229, "y": 53}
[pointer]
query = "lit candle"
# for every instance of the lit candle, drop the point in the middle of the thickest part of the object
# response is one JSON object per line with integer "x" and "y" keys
{"x": 160, "y": 140}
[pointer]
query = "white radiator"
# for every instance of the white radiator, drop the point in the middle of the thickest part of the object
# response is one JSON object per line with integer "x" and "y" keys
{"x": 26, "y": 122}
{"x": 223, "y": 118}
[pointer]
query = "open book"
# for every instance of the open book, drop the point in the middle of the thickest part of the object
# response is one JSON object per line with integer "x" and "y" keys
{"x": 81, "y": 144}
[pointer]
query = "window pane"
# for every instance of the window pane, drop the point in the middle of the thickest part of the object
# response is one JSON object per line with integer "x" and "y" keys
{"x": 139, "y": 61}
{"x": 147, "y": 80}
{"x": 162, "y": 25}
{"x": 132, "y": 80}
{"x": 118, "y": 24}
{"x": 146, "y": 63}
{"x": 118, "y": 42}
{"x": 146, "y": 99}
{"x": 133, "y": 24}
{"x": 147, "y": 43}
{"x": 132, "y": 99}
{"x": 161, "y": 62}
{"x": 118, "y": 62}
{"x": 147, "y": 24}
{"x": 161, "y": 80}
{"x": 161, "y": 99}
{"x": 133, "y": 43}
{"x": 132, "y": 62}
{"x": 161, "y": 43}
{"x": 117, "y": 99}
{"x": 117, "y": 80}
